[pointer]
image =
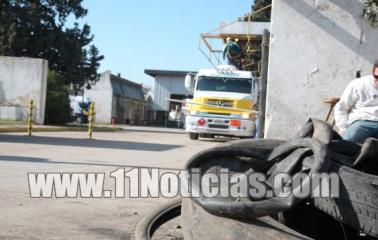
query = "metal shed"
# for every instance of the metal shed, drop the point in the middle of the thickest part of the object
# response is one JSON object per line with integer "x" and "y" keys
{"x": 168, "y": 85}
{"x": 117, "y": 100}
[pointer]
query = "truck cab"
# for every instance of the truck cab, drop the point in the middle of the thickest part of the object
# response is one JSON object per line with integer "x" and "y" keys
{"x": 222, "y": 104}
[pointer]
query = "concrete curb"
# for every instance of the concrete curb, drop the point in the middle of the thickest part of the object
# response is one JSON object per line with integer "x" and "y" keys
{"x": 7, "y": 129}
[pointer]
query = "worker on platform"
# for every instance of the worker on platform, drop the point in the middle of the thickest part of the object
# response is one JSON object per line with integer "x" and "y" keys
{"x": 233, "y": 51}
{"x": 356, "y": 113}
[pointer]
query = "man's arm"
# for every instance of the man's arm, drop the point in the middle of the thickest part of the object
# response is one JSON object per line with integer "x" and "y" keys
{"x": 342, "y": 108}
{"x": 225, "y": 48}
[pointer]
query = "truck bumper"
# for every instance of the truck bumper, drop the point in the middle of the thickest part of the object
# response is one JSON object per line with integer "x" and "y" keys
{"x": 220, "y": 126}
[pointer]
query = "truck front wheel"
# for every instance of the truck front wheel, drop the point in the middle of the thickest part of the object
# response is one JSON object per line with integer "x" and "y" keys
{"x": 193, "y": 136}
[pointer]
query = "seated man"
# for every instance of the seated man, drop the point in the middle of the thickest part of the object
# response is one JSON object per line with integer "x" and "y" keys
{"x": 356, "y": 113}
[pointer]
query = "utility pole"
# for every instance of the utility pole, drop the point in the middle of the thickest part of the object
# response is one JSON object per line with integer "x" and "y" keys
{"x": 263, "y": 83}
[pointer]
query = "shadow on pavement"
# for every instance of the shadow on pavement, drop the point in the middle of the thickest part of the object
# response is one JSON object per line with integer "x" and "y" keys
{"x": 23, "y": 159}
{"x": 157, "y": 131}
{"x": 110, "y": 233}
{"x": 45, "y": 160}
{"x": 75, "y": 142}
{"x": 220, "y": 140}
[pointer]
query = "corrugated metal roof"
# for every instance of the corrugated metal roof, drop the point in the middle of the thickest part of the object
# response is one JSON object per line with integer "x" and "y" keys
{"x": 125, "y": 88}
{"x": 154, "y": 73}
{"x": 253, "y": 28}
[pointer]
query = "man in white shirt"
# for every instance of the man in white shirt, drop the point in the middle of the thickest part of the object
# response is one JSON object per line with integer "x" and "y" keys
{"x": 356, "y": 113}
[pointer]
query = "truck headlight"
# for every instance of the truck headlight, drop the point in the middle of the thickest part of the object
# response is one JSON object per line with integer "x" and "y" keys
{"x": 247, "y": 115}
{"x": 194, "y": 112}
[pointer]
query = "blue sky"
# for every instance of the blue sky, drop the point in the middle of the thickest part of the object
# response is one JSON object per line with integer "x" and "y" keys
{"x": 138, "y": 35}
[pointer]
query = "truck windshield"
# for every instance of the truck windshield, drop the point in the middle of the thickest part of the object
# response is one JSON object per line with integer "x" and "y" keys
{"x": 217, "y": 84}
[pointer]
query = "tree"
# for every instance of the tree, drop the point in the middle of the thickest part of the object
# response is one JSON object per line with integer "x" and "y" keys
{"x": 93, "y": 64}
{"x": 263, "y": 16}
{"x": 36, "y": 28}
{"x": 370, "y": 11}
{"x": 58, "y": 109}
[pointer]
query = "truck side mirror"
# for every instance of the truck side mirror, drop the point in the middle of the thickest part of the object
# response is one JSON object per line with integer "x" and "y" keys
{"x": 188, "y": 81}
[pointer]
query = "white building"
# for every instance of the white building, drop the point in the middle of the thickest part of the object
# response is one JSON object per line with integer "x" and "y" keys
{"x": 117, "y": 100}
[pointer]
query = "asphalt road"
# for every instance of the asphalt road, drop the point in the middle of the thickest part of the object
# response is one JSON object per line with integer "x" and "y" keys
{"x": 23, "y": 217}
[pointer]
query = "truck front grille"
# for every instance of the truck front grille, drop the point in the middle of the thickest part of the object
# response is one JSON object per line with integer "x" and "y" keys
{"x": 216, "y": 113}
{"x": 220, "y": 102}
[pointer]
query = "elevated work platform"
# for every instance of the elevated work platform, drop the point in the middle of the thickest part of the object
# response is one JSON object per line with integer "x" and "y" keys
{"x": 248, "y": 35}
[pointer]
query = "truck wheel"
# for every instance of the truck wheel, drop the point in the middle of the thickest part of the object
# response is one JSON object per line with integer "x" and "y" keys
{"x": 193, "y": 136}
{"x": 245, "y": 137}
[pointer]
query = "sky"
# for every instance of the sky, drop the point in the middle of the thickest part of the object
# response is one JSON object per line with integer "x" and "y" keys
{"x": 156, "y": 34}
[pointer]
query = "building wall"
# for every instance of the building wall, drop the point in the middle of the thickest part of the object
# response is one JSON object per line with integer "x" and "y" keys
{"x": 127, "y": 111}
{"x": 22, "y": 80}
{"x": 164, "y": 87}
{"x": 101, "y": 94}
{"x": 316, "y": 48}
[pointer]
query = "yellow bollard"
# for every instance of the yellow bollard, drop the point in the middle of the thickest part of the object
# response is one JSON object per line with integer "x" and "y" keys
{"x": 91, "y": 120}
{"x": 30, "y": 119}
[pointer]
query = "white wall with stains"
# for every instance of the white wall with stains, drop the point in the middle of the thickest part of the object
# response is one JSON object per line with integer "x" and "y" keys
{"x": 22, "y": 80}
{"x": 316, "y": 48}
{"x": 101, "y": 94}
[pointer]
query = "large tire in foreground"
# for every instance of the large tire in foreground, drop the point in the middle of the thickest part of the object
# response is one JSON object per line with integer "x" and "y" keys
{"x": 155, "y": 218}
{"x": 357, "y": 205}
{"x": 199, "y": 224}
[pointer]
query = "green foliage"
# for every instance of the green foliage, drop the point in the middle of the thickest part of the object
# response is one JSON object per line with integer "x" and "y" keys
{"x": 263, "y": 16}
{"x": 370, "y": 11}
{"x": 58, "y": 110}
{"x": 36, "y": 28}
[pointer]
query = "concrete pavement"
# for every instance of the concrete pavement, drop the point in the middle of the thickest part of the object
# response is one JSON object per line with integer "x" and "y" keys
{"x": 23, "y": 217}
